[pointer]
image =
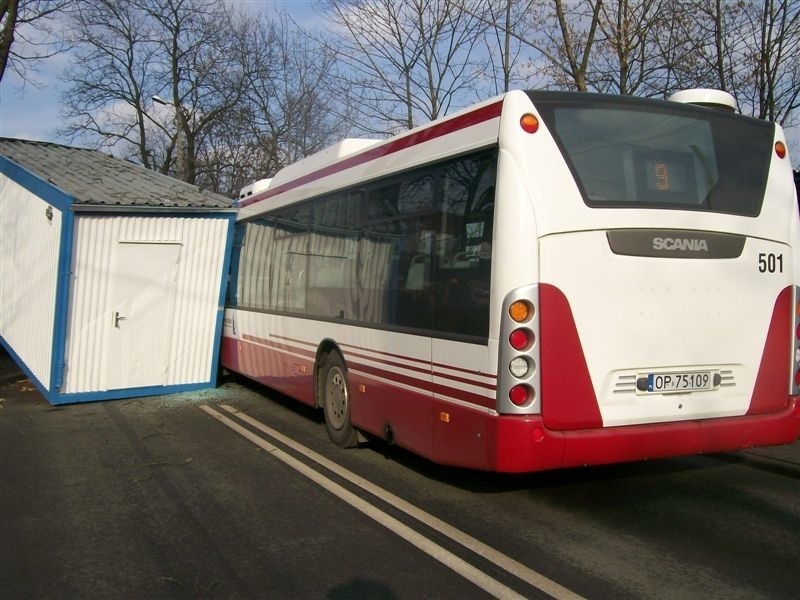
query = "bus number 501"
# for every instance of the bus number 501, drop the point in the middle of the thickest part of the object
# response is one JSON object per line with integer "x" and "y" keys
{"x": 770, "y": 263}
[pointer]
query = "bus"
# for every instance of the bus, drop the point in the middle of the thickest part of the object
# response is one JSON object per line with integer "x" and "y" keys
{"x": 542, "y": 280}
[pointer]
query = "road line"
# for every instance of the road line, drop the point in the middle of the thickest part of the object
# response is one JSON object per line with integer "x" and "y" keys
{"x": 503, "y": 561}
{"x": 447, "y": 558}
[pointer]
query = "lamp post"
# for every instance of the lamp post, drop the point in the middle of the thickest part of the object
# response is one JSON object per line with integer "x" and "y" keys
{"x": 180, "y": 122}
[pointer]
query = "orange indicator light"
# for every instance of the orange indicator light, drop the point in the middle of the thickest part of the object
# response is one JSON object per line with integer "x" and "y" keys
{"x": 519, "y": 311}
{"x": 780, "y": 149}
{"x": 529, "y": 123}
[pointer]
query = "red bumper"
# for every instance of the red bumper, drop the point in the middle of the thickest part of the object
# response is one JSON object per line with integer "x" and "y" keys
{"x": 521, "y": 444}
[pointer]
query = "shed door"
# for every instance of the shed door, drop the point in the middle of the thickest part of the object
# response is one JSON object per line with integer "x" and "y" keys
{"x": 143, "y": 289}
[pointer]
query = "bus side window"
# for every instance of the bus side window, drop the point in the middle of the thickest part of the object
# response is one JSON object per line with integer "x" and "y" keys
{"x": 253, "y": 270}
{"x": 290, "y": 259}
{"x": 461, "y": 301}
{"x": 333, "y": 254}
{"x": 395, "y": 269}
{"x": 414, "y": 294}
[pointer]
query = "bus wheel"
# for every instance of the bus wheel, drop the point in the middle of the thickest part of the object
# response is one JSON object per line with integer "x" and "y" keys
{"x": 336, "y": 401}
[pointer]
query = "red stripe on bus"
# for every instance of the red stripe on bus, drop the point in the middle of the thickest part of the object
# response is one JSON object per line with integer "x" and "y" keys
{"x": 421, "y": 361}
{"x": 427, "y": 371}
{"x": 442, "y": 390}
{"x": 437, "y": 130}
{"x": 481, "y": 384}
{"x": 278, "y": 346}
{"x": 388, "y": 375}
{"x": 435, "y": 365}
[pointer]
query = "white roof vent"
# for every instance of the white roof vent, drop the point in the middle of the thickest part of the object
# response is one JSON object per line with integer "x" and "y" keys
{"x": 254, "y": 188}
{"x": 706, "y": 97}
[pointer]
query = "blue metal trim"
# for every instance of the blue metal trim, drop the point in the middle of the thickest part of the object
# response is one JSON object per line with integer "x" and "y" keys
{"x": 157, "y": 390}
{"x": 61, "y": 318}
{"x": 35, "y": 184}
{"x": 224, "y": 282}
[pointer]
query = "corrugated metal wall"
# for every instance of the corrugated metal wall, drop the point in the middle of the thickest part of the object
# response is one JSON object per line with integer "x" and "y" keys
{"x": 194, "y": 313}
{"x": 29, "y": 247}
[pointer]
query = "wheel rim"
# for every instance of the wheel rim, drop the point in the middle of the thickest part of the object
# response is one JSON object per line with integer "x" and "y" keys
{"x": 336, "y": 398}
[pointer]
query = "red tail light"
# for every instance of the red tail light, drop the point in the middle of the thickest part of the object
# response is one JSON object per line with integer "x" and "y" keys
{"x": 520, "y": 339}
{"x": 520, "y": 394}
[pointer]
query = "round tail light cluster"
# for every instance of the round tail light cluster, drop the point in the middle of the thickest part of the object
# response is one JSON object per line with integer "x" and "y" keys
{"x": 521, "y": 339}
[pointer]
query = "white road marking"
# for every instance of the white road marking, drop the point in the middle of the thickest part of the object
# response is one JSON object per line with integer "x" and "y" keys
{"x": 460, "y": 566}
{"x": 503, "y": 561}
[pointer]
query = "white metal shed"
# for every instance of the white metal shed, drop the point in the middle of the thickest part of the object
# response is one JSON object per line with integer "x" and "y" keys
{"x": 112, "y": 277}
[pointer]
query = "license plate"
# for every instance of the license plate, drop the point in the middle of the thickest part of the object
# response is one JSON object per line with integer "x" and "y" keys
{"x": 680, "y": 381}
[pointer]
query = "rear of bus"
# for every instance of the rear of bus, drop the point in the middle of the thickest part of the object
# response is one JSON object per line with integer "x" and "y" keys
{"x": 655, "y": 312}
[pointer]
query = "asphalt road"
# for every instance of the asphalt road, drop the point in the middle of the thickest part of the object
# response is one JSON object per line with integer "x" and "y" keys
{"x": 162, "y": 498}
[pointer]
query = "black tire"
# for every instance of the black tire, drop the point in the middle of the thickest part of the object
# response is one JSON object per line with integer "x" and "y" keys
{"x": 334, "y": 397}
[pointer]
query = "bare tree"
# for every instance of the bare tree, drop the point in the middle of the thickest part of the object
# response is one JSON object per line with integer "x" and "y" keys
{"x": 406, "y": 62}
{"x": 115, "y": 74}
{"x": 9, "y": 15}
{"x": 566, "y": 40}
{"x": 750, "y": 48}
{"x": 719, "y": 20}
{"x": 291, "y": 108}
{"x": 774, "y": 42}
{"x": 204, "y": 79}
{"x": 129, "y": 52}
{"x": 295, "y": 104}
{"x": 627, "y": 58}
{"x": 27, "y": 34}
{"x": 651, "y": 47}
{"x": 713, "y": 40}
{"x": 508, "y": 31}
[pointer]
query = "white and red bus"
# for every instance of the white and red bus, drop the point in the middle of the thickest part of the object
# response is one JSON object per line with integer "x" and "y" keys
{"x": 543, "y": 280}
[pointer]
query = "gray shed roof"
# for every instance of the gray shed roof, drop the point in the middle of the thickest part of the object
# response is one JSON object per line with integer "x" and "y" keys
{"x": 95, "y": 179}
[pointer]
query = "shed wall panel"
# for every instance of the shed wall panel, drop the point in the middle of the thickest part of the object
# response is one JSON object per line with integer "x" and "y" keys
{"x": 198, "y": 306}
{"x": 193, "y": 315}
{"x": 29, "y": 251}
{"x": 87, "y": 336}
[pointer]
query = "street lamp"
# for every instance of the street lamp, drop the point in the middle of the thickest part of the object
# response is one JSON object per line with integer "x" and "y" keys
{"x": 180, "y": 158}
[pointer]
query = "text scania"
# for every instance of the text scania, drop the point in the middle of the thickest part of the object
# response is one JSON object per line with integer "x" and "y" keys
{"x": 690, "y": 244}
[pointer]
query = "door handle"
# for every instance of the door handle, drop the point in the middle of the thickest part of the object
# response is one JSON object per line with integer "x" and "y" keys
{"x": 117, "y": 319}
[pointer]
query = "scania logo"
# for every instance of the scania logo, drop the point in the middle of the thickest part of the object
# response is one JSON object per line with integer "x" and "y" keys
{"x": 684, "y": 244}
{"x": 675, "y": 243}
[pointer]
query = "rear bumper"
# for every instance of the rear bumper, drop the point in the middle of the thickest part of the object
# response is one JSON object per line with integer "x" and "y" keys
{"x": 522, "y": 444}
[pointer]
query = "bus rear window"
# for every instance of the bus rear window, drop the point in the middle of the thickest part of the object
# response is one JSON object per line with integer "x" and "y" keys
{"x": 628, "y": 152}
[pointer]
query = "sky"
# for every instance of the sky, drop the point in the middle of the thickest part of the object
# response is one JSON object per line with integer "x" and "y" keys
{"x": 31, "y": 112}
